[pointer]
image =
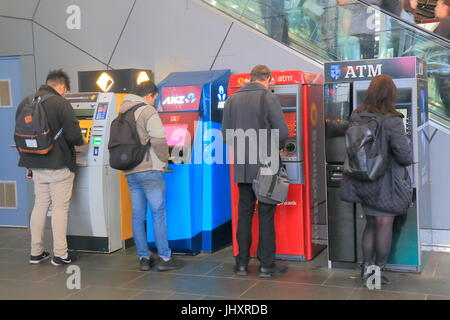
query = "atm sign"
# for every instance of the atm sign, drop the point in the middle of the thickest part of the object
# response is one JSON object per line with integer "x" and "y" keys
{"x": 185, "y": 98}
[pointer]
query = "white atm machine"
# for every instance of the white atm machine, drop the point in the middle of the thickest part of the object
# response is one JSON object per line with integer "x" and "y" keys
{"x": 94, "y": 216}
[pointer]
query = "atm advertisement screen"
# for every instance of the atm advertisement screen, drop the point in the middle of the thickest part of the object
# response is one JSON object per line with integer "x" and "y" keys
{"x": 101, "y": 111}
{"x": 291, "y": 123}
{"x": 176, "y": 134}
{"x": 175, "y": 99}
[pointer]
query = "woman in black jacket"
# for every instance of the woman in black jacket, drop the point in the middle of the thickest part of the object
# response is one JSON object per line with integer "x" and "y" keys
{"x": 388, "y": 196}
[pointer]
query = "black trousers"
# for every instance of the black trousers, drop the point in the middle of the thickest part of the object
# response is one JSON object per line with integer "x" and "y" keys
{"x": 266, "y": 242}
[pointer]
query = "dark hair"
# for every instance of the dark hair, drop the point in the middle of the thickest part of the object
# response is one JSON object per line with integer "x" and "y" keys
{"x": 406, "y": 4}
{"x": 146, "y": 87}
{"x": 260, "y": 72}
{"x": 57, "y": 77}
{"x": 381, "y": 96}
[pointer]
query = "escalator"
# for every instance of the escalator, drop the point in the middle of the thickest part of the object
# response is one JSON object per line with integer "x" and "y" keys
{"x": 330, "y": 30}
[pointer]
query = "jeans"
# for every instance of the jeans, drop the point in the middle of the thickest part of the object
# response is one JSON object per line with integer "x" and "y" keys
{"x": 266, "y": 242}
{"x": 149, "y": 187}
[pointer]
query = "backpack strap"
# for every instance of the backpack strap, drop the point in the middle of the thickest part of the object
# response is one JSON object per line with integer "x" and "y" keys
{"x": 263, "y": 110}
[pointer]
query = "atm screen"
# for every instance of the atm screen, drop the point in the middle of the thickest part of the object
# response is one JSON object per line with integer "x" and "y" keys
{"x": 287, "y": 100}
{"x": 101, "y": 111}
{"x": 291, "y": 123}
{"x": 84, "y": 113}
{"x": 176, "y": 134}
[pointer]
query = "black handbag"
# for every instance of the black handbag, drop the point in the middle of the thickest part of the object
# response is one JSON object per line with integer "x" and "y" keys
{"x": 270, "y": 188}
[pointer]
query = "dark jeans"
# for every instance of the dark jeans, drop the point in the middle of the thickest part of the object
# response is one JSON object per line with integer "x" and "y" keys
{"x": 266, "y": 242}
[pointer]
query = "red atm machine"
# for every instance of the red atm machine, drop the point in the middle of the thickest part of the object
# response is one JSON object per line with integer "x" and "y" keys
{"x": 300, "y": 222}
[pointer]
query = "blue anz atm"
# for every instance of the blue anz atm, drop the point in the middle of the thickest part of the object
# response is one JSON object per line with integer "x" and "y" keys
{"x": 198, "y": 200}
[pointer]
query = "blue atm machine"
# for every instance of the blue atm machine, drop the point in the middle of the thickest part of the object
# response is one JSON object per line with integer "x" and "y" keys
{"x": 198, "y": 200}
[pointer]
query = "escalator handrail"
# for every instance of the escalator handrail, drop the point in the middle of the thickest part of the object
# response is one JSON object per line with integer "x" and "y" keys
{"x": 414, "y": 26}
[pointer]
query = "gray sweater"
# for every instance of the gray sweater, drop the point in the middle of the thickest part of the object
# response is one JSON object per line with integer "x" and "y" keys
{"x": 150, "y": 127}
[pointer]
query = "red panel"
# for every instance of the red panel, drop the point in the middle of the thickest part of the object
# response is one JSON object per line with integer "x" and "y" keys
{"x": 307, "y": 171}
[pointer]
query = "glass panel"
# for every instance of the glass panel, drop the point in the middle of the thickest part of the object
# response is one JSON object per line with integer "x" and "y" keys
{"x": 5, "y": 93}
{"x": 334, "y": 30}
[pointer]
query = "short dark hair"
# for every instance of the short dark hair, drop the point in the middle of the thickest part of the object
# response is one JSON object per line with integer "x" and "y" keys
{"x": 146, "y": 87}
{"x": 58, "y": 77}
{"x": 260, "y": 72}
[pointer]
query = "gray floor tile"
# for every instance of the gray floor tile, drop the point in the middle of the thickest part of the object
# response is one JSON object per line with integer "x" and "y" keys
{"x": 366, "y": 294}
{"x": 25, "y": 290}
{"x": 110, "y": 262}
{"x": 344, "y": 278}
{"x": 152, "y": 295}
{"x": 434, "y": 297}
{"x": 198, "y": 267}
{"x": 184, "y": 296}
{"x": 191, "y": 284}
{"x": 14, "y": 271}
{"x": 100, "y": 293}
{"x": 271, "y": 290}
{"x": 100, "y": 277}
{"x": 218, "y": 298}
{"x": 418, "y": 284}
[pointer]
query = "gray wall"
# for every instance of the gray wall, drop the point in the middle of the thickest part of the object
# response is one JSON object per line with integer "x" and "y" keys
{"x": 164, "y": 36}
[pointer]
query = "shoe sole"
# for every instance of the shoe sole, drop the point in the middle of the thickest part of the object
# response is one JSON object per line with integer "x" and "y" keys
{"x": 166, "y": 269}
{"x": 241, "y": 273}
{"x": 39, "y": 261}
{"x": 271, "y": 274}
{"x": 61, "y": 264}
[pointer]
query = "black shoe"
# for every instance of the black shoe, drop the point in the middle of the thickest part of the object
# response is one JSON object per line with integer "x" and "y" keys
{"x": 365, "y": 274}
{"x": 240, "y": 270}
{"x": 167, "y": 265}
{"x": 38, "y": 259}
{"x": 58, "y": 261}
{"x": 384, "y": 279}
{"x": 272, "y": 271}
{"x": 146, "y": 264}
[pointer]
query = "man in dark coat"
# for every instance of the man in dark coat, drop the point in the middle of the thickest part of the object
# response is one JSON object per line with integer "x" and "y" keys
{"x": 242, "y": 112}
{"x": 53, "y": 173}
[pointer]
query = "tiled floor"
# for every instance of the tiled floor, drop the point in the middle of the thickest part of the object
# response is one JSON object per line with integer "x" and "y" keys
{"x": 205, "y": 276}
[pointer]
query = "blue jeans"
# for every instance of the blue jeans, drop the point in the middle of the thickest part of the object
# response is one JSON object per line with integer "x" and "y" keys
{"x": 149, "y": 186}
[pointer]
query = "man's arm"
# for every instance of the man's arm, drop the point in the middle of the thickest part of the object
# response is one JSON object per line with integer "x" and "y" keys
{"x": 70, "y": 125}
{"x": 158, "y": 139}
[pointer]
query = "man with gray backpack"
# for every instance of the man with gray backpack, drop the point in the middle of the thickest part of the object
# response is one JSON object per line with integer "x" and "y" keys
{"x": 138, "y": 146}
{"x": 45, "y": 134}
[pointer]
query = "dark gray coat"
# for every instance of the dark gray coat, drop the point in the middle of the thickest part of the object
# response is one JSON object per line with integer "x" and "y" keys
{"x": 383, "y": 194}
{"x": 242, "y": 111}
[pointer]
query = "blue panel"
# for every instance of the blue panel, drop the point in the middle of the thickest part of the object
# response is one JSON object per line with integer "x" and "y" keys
{"x": 10, "y": 69}
{"x": 198, "y": 194}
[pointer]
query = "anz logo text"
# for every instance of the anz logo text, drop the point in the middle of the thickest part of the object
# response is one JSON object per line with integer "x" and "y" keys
{"x": 190, "y": 98}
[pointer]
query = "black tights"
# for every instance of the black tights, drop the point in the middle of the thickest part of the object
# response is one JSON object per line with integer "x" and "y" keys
{"x": 377, "y": 238}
